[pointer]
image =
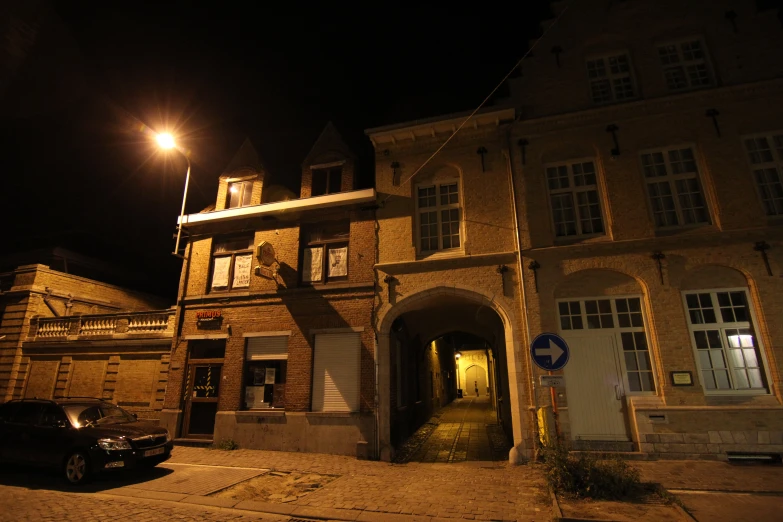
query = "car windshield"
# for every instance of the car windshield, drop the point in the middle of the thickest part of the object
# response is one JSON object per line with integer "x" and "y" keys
{"x": 82, "y": 415}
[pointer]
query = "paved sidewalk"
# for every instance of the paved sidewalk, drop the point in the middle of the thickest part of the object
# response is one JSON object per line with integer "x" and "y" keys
{"x": 720, "y": 491}
{"x": 470, "y": 490}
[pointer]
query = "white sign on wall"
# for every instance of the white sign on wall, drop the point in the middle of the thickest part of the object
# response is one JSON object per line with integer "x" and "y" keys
{"x": 312, "y": 264}
{"x": 338, "y": 262}
{"x": 220, "y": 272}
{"x": 242, "y": 271}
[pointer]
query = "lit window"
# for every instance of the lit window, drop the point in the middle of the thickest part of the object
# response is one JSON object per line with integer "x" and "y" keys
{"x": 266, "y": 361}
{"x": 573, "y": 194}
{"x": 765, "y": 154}
{"x": 673, "y": 188}
{"x": 239, "y": 194}
{"x": 685, "y": 65}
{"x": 611, "y": 78}
{"x": 439, "y": 217}
{"x": 723, "y": 338}
{"x": 232, "y": 260}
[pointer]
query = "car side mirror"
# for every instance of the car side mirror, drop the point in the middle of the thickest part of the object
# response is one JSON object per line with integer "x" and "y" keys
{"x": 135, "y": 417}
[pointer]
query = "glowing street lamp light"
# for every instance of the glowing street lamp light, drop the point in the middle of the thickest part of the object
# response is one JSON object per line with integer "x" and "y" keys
{"x": 166, "y": 142}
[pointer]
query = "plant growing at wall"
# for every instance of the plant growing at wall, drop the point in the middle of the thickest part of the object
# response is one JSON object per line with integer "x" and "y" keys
{"x": 583, "y": 475}
{"x": 225, "y": 445}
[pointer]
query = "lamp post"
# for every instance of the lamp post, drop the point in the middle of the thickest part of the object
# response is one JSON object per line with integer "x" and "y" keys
{"x": 166, "y": 142}
{"x": 459, "y": 386}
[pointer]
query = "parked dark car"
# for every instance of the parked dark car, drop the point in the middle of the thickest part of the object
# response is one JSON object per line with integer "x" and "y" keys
{"x": 79, "y": 436}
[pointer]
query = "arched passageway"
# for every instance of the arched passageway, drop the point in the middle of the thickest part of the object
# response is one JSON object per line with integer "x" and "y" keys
{"x": 448, "y": 386}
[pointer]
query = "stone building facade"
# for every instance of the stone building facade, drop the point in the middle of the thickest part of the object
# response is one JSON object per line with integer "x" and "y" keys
{"x": 645, "y": 157}
{"x": 66, "y": 335}
{"x": 275, "y": 348}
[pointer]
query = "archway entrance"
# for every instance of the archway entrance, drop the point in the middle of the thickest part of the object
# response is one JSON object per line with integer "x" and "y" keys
{"x": 448, "y": 379}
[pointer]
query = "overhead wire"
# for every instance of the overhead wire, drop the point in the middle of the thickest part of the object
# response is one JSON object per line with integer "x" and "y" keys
{"x": 527, "y": 53}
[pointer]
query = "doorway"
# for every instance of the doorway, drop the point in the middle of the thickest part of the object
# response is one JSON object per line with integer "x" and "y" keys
{"x": 609, "y": 360}
{"x": 202, "y": 387}
{"x": 476, "y": 382}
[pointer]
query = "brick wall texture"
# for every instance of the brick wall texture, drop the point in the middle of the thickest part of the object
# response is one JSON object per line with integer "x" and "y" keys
{"x": 555, "y": 121}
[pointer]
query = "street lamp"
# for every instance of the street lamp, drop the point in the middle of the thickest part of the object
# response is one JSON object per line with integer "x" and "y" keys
{"x": 166, "y": 142}
{"x": 457, "y": 355}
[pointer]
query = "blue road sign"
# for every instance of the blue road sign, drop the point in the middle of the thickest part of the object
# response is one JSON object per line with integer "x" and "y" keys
{"x": 549, "y": 351}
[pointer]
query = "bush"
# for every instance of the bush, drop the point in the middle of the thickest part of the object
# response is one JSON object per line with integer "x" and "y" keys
{"x": 583, "y": 475}
{"x": 226, "y": 445}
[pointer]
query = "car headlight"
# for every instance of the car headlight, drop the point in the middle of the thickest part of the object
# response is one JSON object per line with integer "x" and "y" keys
{"x": 114, "y": 444}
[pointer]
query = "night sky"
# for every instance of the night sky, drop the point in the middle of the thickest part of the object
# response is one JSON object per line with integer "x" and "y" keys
{"x": 76, "y": 88}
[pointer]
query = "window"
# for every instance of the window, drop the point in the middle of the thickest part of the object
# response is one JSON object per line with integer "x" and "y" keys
{"x": 611, "y": 79}
{"x": 336, "y": 374}
{"x": 574, "y": 198}
{"x": 685, "y": 65}
{"x": 439, "y": 216}
{"x": 766, "y": 158}
{"x": 727, "y": 351}
{"x": 239, "y": 194}
{"x": 624, "y": 317}
{"x": 673, "y": 187}
{"x": 265, "y": 371}
{"x": 325, "y": 252}
{"x": 232, "y": 260}
{"x": 327, "y": 181}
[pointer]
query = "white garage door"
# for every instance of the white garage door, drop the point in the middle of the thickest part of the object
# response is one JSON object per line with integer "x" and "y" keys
{"x": 336, "y": 374}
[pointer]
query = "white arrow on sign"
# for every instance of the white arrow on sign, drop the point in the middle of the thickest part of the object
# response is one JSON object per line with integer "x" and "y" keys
{"x": 552, "y": 350}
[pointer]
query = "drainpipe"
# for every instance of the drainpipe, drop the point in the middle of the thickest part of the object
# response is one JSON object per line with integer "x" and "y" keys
{"x": 48, "y": 304}
{"x": 520, "y": 279}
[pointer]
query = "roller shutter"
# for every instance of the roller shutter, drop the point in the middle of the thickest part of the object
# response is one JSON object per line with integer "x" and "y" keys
{"x": 336, "y": 376}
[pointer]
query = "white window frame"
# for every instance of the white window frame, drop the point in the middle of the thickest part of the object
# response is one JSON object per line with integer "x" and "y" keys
{"x": 617, "y": 330}
{"x": 776, "y": 163}
{"x": 721, "y": 326}
{"x": 612, "y": 77}
{"x": 437, "y": 209}
{"x": 671, "y": 178}
{"x": 246, "y": 185}
{"x": 573, "y": 190}
{"x": 683, "y": 63}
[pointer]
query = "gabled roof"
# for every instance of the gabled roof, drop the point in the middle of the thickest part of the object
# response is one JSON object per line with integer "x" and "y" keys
{"x": 330, "y": 140}
{"x": 246, "y": 157}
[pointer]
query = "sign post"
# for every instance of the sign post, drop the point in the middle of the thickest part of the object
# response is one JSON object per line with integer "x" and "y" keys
{"x": 550, "y": 352}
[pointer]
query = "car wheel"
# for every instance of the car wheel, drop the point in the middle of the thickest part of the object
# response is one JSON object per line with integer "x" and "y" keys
{"x": 77, "y": 468}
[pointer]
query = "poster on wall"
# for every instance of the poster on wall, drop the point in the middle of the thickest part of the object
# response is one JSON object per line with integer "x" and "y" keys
{"x": 270, "y": 376}
{"x": 278, "y": 400}
{"x": 311, "y": 264}
{"x": 220, "y": 272}
{"x": 254, "y": 397}
{"x": 242, "y": 271}
{"x": 338, "y": 262}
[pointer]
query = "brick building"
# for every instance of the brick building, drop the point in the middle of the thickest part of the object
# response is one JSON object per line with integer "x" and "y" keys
{"x": 645, "y": 155}
{"x": 275, "y": 348}
{"x": 63, "y": 334}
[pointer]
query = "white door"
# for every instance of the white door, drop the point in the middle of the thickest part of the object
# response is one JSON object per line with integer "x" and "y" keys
{"x": 594, "y": 388}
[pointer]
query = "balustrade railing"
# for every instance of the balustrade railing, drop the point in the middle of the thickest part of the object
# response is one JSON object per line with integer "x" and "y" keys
{"x": 121, "y": 324}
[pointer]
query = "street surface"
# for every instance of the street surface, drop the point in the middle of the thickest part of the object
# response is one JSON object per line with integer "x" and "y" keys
{"x": 466, "y": 481}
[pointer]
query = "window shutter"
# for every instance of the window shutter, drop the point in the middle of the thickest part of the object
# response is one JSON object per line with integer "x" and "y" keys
{"x": 267, "y": 348}
{"x": 336, "y": 378}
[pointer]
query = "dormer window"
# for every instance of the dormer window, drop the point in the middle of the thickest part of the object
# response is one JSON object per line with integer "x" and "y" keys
{"x": 239, "y": 194}
{"x": 327, "y": 180}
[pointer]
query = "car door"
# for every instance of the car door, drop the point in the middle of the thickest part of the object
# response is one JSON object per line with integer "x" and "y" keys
{"x": 21, "y": 447}
{"x": 50, "y": 436}
{"x": 7, "y": 431}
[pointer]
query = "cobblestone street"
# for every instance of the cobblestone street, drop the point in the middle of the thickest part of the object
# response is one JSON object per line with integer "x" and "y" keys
{"x": 465, "y": 430}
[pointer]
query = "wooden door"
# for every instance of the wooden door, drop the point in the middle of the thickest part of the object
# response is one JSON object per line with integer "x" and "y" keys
{"x": 202, "y": 393}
